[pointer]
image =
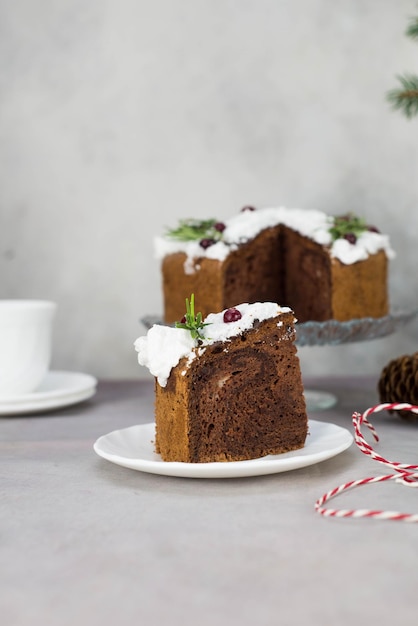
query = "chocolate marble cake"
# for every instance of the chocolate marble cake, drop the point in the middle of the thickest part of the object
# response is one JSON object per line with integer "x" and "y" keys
{"x": 232, "y": 393}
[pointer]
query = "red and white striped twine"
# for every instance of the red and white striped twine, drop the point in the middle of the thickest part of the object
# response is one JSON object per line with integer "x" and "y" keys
{"x": 406, "y": 474}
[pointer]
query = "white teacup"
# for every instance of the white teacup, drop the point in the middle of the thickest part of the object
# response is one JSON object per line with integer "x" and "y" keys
{"x": 25, "y": 344}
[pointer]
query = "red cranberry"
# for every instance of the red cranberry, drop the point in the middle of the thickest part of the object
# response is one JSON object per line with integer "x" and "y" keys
{"x": 220, "y": 227}
{"x": 232, "y": 315}
{"x": 247, "y": 208}
{"x": 351, "y": 238}
{"x": 373, "y": 229}
{"x": 183, "y": 320}
{"x": 206, "y": 243}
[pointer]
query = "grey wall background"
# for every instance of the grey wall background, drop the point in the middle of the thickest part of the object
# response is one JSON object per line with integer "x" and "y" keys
{"x": 118, "y": 118}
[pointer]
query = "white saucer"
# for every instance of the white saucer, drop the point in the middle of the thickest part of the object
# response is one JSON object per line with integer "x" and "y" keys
{"x": 133, "y": 447}
{"x": 59, "y": 389}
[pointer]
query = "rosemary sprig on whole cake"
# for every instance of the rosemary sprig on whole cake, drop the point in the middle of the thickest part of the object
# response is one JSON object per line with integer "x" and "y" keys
{"x": 349, "y": 227}
{"x": 191, "y": 321}
{"x": 206, "y": 232}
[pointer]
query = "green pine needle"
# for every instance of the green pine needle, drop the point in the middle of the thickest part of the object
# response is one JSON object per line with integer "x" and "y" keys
{"x": 193, "y": 322}
{"x": 405, "y": 99}
{"x": 194, "y": 230}
{"x": 346, "y": 224}
{"x": 412, "y": 30}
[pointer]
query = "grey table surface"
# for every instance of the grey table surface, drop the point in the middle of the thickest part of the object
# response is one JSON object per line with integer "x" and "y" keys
{"x": 84, "y": 541}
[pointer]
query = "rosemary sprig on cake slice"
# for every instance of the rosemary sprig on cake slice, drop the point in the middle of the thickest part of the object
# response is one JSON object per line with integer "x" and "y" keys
{"x": 206, "y": 232}
{"x": 349, "y": 227}
{"x": 191, "y": 321}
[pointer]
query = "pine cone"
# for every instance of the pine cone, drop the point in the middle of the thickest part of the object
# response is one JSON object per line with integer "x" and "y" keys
{"x": 399, "y": 383}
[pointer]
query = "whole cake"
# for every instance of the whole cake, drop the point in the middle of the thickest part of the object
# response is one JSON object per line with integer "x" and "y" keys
{"x": 323, "y": 267}
{"x": 227, "y": 388}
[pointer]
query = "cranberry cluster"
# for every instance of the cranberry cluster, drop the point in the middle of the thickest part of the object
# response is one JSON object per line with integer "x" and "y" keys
{"x": 220, "y": 227}
{"x": 208, "y": 241}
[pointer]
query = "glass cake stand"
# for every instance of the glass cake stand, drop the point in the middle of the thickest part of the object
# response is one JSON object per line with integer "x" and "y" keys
{"x": 333, "y": 333}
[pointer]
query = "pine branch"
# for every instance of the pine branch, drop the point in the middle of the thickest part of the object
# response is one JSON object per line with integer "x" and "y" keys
{"x": 346, "y": 225}
{"x": 412, "y": 30}
{"x": 405, "y": 99}
{"x": 193, "y": 230}
{"x": 192, "y": 321}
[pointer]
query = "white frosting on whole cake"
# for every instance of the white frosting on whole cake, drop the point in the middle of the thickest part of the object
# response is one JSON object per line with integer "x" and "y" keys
{"x": 367, "y": 243}
{"x": 163, "y": 346}
{"x": 246, "y": 225}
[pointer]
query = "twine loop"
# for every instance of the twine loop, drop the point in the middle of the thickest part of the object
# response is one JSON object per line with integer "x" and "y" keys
{"x": 406, "y": 474}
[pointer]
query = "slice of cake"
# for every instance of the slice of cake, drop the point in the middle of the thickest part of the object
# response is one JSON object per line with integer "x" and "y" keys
{"x": 324, "y": 267}
{"x": 228, "y": 388}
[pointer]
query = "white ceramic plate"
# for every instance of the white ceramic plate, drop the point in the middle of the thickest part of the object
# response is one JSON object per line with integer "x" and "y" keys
{"x": 59, "y": 389}
{"x": 133, "y": 447}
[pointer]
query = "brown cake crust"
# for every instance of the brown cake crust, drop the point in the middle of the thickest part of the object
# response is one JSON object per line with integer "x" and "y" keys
{"x": 239, "y": 400}
{"x": 360, "y": 290}
{"x": 206, "y": 282}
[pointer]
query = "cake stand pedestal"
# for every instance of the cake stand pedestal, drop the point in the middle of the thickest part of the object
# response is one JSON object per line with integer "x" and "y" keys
{"x": 334, "y": 333}
{"x": 319, "y": 400}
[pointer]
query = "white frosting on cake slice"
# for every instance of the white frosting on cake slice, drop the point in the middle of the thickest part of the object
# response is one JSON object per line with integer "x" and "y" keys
{"x": 163, "y": 346}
